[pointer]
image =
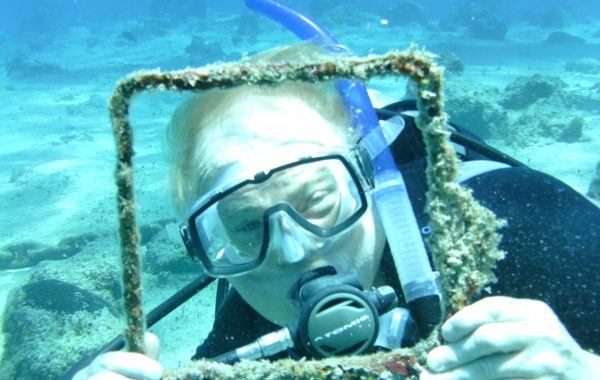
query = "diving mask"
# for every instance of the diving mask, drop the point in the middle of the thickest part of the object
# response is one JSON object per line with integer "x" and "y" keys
{"x": 302, "y": 203}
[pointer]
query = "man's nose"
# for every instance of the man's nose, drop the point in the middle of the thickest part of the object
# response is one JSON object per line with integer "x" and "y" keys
{"x": 292, "y": 251}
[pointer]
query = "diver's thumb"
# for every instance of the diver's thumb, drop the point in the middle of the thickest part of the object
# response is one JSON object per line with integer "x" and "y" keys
{"x": 151, "y": 345}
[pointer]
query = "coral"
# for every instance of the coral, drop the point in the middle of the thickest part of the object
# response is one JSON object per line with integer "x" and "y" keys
{"x": 463, "y": 245}
{"x": 476, "y": 108}
{"x": 531, "y": 110}
{"x": 572, "y": 131}
{"x": 451, "y": 63}
{"x": 525, "y": 91}
{"x": 543, "y": 121}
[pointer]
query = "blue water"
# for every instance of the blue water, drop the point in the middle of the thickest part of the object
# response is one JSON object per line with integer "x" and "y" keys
{"x": 17, "y": 15}
{"x": 59, "y": 61}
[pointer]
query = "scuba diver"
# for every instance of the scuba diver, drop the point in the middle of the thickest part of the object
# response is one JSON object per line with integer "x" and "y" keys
{"x": 310, "y": 203}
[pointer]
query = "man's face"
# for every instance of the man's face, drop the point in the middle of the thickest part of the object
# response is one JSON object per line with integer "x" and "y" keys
{"x": 313, "y": 191}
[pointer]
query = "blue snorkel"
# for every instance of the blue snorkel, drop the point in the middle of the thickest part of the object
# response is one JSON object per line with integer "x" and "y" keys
{"x": 418, "y": 281}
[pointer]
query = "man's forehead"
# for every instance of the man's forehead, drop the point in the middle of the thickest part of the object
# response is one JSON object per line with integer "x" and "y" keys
{"x": 283, "y": 119}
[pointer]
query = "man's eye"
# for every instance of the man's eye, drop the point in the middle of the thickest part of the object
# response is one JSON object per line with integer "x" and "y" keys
{"x": 319, "y": 204}
{"x": 316, "y": 198}
{"x": 249, "y": 227}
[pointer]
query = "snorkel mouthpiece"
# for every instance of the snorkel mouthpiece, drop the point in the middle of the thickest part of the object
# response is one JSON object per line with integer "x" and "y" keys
{"x": 418, "y": 281}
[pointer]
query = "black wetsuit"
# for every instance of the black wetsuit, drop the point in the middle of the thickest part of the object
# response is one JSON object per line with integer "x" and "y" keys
{"x": 552, "y": 240}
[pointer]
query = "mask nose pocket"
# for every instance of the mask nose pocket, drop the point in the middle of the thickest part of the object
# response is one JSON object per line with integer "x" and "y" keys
{"x": 285, "y": 235}
{"x": 292, "y": 250}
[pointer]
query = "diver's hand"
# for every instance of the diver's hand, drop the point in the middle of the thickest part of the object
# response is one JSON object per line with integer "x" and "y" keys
{"x": 125, "y": 365}
{"x": 508, "y": 338}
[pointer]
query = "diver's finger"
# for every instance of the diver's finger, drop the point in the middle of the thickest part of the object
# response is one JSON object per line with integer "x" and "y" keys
{"x": 488, "y": 339}
{"x": 151, "y": 345}
{"x": 489, "y": 310}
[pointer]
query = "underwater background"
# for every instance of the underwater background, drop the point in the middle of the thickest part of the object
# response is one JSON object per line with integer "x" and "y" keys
{"x": 524, "y": 76}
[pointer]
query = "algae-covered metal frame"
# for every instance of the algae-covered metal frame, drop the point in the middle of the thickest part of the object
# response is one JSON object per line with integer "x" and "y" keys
{"x": 463, "y": 244}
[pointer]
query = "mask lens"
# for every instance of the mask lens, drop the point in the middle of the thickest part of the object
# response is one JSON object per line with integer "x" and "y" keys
{"x": 321, "y": 195}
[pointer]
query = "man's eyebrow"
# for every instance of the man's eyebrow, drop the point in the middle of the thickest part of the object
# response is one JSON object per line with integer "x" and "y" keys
{"x": 319, "y": 173}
